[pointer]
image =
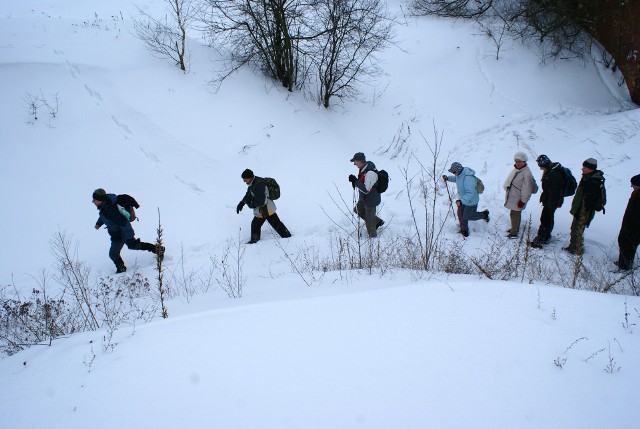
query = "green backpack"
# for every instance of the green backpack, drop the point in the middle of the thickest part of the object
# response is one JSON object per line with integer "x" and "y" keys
{"x": 273, "y": 187}
{"x": 479, "y": 185}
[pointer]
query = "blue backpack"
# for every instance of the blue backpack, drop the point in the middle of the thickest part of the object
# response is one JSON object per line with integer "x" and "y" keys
{"x": 570, "y": 183}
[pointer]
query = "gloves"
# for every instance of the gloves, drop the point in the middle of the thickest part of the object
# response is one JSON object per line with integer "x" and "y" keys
{"x": 444, "y": 178}
{"x": 352, "y": 178}
{"x": 520, "y": 204}
{"x": 240, "y": 206}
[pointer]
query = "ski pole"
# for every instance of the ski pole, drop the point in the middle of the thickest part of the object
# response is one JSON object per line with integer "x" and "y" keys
{"x": 450, "y": 199}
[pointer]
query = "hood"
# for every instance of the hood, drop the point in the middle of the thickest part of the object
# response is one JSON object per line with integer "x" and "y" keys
{"x": 368, "y": 166}
{"x": 466, "y": 171}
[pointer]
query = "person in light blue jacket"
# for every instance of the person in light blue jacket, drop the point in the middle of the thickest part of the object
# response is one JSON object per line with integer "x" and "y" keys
{"x": 466, "y": 182}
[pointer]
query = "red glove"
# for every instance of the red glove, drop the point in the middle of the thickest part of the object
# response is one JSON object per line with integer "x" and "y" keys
{"x": 520, "y": 204}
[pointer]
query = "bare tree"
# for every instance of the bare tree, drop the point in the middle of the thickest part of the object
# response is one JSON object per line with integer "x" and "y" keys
{"x": 348, "y": 34}
{"x": 451, "y": 8}
{"x": 167, "y": 37}
{"x": 260, "y": 32}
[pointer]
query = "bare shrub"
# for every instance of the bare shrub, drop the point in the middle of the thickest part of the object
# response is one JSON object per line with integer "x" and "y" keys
{"x": 76, "y": 305}
{"x": 189, "y": 282}
{"x": 232, "y": 266}
{"x": 166, "y": 37}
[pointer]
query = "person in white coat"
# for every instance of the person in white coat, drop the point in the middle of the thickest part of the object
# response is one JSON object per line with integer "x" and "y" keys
{"x": 519, "y": 187}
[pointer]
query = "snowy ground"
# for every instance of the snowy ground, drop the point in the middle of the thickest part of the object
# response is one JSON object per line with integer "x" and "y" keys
{"x": 352, "y": 350}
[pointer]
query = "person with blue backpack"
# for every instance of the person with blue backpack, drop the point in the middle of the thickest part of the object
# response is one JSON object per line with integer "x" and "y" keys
{"x": 554, "y": 181}
{"x": 118, "y": 222}
{"x": 467, "y": 186}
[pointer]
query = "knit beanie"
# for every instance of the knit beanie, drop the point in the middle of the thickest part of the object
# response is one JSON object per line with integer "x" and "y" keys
{"x": 543, "y": 161}
{"x": 247, "y": 174}
{"x": 521, "y": 156}
{"x": 99, "y": 194}
{"x": 590, "y": 163}
{"x": 456, "y": 167}
{"x": 635, "y": 180}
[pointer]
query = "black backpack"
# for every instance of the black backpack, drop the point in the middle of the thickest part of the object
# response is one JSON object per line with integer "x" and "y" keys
{"x": 601, "y": 195}
{"x": 570, "y": 183}
{"x": 383, "y": 181}
{"x": 128, "y": 203}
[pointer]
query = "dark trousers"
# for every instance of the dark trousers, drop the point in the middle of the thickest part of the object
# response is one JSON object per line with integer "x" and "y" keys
{"x": 470, "y": 213}
{"x": 274, "y": 221}
{"x": 117, "y": 244}
{"x": 459, "y": 212}
{"x": 546, "y": 223}
{"x": 368, "y": 214}
{"x": 628, "y": 247}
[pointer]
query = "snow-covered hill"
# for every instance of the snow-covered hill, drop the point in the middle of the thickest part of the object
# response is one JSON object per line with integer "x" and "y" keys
{"x": 352, "y": 350}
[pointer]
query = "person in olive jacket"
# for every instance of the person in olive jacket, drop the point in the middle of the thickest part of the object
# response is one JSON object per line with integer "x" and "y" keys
{"x": 552, "y": 197}
{"x": 583, "y": 206}
{"x": 629, "y": 236}
{"x": 264, "y": 209}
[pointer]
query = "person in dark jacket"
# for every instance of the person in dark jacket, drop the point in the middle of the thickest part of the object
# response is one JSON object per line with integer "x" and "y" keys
{"x": 551, "y": 198}
{"x": 368, "y": 195}
{"x": 264, "y": 209}
{"x": 119, "y": 228}
{"x": 629, "y": 236}
{"x": 583, "y": 206}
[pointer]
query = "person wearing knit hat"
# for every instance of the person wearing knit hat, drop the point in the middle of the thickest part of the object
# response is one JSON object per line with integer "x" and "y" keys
{"x": 551, "y": 198}
{"x": 590, "y": 163}
{"x": 112, "y": 212}
{"x": 466, "y": 184}
{"x": 590, "y": 197}
{"x": 264, "y": 208}
{"x": 519, "y": 186}
{"x": 629, "y": 236}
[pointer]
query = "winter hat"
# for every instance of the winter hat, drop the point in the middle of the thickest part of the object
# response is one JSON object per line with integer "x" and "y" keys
{"x": 99, "y": 194}
{"x": 635, "y": 180}
{"x": 456, "y": 167}
{"x": 590, "y": 163}
{"x": 521, "y": 156}
{"x": 543, "y": 161}
{"x": 359, "y": 156}
{"x": 247, "y": 174}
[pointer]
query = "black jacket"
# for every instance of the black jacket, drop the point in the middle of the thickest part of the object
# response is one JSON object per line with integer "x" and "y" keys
{"x": 553, "y": 186}
{"x": 630, "y": 228}
{"x": 256, "y": 195}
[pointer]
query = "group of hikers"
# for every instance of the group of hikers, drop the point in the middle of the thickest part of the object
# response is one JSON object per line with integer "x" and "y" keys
{"x": 520, "y": 185}
{"x": 117, "y": 211}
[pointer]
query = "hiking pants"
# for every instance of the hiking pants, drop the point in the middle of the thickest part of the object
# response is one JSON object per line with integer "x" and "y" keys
{"x": 576, "y": 244}
{"x": 628, "y": 247}
{"x": 546, "y": 223}
{"x": 368, "y": 214}
{"x": 135, "y": 244}
{"x": 274, "y": 221}
{"x": 470, "y": 213}
{"x": 516, "y": 218}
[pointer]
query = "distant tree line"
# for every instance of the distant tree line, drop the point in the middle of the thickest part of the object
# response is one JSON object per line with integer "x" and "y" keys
{"x": 564, "y": 27}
